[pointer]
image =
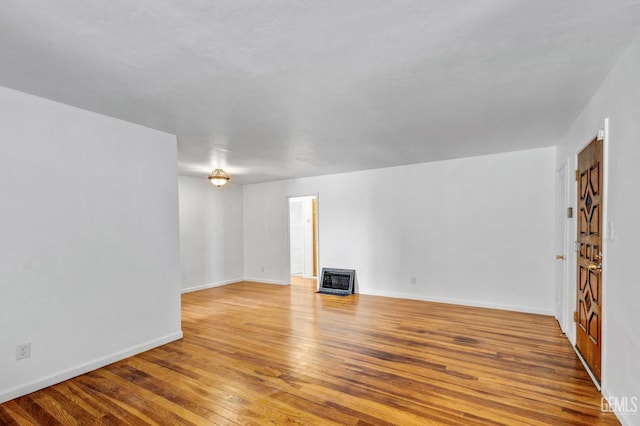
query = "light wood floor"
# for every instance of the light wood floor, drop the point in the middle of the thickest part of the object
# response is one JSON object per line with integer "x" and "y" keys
{"x": 268, "y": 354}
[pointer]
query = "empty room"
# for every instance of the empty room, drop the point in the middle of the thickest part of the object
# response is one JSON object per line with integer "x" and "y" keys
{"x": 319, "y": 212}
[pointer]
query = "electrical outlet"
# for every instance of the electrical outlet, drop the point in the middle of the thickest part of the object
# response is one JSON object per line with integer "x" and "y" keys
{"x": 414, "y": 280}
{"x": 262, "y": 269}
{"x": 23, "y": 351}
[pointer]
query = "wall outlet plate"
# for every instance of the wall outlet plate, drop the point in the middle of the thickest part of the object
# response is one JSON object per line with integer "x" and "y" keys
{"x": 23, "y": 351}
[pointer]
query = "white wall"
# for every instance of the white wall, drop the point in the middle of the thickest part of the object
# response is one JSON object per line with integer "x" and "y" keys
{"x": 477, "y": 231}
{"x": 211, "y": 234}
{"x": 618, "y": 99}
{"x": 89, "y": 258}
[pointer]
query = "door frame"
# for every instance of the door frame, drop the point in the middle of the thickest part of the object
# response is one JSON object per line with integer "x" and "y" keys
{"x": 317, "y": 231}
{"x": 606, "y": 237}
{"x": 564, "y": 247}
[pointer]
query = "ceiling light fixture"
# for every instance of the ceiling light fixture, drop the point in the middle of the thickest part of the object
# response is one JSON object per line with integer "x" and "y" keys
{"x": 218, "y": 177}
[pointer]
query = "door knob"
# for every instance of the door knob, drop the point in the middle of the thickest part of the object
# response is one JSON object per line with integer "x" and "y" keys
{"x": 594, "y": 267}
{"x": 560, "y": 257}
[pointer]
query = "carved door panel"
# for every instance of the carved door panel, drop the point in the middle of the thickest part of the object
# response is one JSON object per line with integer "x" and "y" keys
{"x": 589, "y": 259}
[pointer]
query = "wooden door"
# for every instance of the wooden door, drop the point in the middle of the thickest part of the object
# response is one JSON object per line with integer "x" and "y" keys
{"x": 589, "y": 259}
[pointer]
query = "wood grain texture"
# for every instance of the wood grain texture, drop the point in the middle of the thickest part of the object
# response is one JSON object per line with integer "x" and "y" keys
{"x": 590, "y": 204}
{"x": 267, "y": 354}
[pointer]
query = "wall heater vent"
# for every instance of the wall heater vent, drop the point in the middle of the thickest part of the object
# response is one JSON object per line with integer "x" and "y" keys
{"x": 337, "y": 281}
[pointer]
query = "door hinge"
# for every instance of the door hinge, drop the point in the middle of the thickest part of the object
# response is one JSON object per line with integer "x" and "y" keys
{"x": 575, "y": 316}
{"x": 577, "y": 175}
{"x": 576, "y": 247}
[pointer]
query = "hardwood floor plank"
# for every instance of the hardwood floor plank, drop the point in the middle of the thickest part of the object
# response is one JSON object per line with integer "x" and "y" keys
{"x": 9, "y": 416}
{"x": 169, "y": 398}
{"x": 255, "y": 354}
{"x": 58, "y": 409}
{"x": 36, "y": 412}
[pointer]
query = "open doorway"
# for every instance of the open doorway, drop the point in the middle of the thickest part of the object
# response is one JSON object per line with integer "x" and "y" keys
{"x": 303, "y": 237}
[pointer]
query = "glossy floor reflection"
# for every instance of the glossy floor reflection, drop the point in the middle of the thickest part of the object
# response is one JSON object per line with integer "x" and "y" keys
{"x": 269, "y": 354}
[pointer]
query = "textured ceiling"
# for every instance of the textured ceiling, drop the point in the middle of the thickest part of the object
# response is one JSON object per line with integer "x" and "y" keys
{"x": 279, "y": 89}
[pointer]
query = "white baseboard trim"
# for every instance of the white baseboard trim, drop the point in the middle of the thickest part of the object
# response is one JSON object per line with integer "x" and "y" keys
{"x": 488, "y": 305}
{"x": 211, "y": 285}
{"x": 263, "y": 281}
{"x": 61, "y": 376}
{"x": 233, "y": 281}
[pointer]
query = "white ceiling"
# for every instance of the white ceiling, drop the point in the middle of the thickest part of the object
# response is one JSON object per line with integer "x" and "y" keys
{"x": 279, "y": 89}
